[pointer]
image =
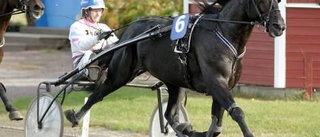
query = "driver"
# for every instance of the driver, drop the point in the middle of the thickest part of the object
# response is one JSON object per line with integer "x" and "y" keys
{"x": 88, "y": 36}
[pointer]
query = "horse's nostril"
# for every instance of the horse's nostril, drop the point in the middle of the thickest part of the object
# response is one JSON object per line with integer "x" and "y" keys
{"x": 37, "y": 7}
{"x": 278, "y": 26}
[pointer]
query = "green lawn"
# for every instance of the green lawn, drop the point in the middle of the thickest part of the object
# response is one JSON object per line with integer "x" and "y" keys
{"x": 130, "y": 109}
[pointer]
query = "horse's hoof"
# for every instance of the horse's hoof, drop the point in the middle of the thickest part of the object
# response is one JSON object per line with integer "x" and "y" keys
{"x": 15, "y": 115}
{"x": 70, "y": 115}
{"x": 214, "y": 132}
{"x": 184, "y": 128}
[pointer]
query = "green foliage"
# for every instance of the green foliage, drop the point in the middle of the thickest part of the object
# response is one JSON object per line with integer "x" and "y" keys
{"x": 122, "y": 12}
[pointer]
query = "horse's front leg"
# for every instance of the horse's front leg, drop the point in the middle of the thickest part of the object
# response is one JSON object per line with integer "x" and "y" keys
{"x": 223, "y": 96}
{"x": 13, "y": 113}
{"x": 176, "y": 95}
{"x": 237, "y": 115}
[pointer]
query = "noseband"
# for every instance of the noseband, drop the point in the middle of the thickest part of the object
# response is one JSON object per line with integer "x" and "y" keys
{"x": 21, "y": 7}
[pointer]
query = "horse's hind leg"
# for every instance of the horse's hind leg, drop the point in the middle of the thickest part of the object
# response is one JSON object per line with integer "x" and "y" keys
{"x": 13, "y": 113}
{"x": 176, "y": 94}
{"x": 216, "y": 117}
{"x": 103, "y": 90}
{"x": 119, "y": 74}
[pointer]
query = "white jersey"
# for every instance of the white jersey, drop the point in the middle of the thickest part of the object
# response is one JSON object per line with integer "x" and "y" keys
{"x": 83, "y": 38}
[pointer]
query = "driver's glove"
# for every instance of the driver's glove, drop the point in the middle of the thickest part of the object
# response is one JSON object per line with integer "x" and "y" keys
{"x": 104, "y": 35}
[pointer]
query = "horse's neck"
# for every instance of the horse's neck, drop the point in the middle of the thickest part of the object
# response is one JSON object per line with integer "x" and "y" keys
{"x": 237, "y": 33}
{"x": 7, "y": 6}
{"x": 12, "y": 4}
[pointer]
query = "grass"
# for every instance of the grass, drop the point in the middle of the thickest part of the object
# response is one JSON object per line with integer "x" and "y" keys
{"x": 129, "y": 109}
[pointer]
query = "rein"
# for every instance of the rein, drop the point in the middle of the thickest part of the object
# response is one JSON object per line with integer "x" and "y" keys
{"x": 18, "y": 9}
{"x": 232, "y": 21}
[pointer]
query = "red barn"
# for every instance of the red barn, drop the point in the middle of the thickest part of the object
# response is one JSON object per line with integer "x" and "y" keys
{"x": 289, "y": 61}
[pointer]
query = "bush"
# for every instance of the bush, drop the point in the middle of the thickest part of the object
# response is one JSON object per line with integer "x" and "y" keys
{"x": 122, "y": 12}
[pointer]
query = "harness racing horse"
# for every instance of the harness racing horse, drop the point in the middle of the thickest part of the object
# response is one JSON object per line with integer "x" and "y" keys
{"x": 33, "y": 8}
{"x": 212, "y": 65}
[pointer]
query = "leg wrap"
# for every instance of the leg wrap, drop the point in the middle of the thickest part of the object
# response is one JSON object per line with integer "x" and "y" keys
{"x": 80, "y": 114}
{"x": 234, "y": 105}
{"x": 214, "y": 129}
{"x": 236, "y": 113}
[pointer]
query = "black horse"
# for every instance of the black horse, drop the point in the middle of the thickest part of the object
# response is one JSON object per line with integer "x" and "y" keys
{"x": 212, "y": 65}
{"x": 33, "y": 8}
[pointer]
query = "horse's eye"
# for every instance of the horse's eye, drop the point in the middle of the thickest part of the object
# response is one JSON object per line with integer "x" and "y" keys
{"x": 279, "y": 1}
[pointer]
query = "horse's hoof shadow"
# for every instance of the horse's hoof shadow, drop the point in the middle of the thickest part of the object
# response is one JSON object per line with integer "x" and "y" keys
{"x": 199, "y": 134}
{"x": 15, "y": 115}
{"x": 203, "y": 134}
{"x": 71, "y": 117}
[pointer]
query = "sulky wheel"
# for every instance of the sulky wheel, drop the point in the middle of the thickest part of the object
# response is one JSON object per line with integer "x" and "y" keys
{"x": 155, "y": 128}
{"x": 51, "y": 124}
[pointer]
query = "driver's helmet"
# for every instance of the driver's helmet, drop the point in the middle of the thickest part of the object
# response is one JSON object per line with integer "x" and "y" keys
{"x": 93, "y": 4}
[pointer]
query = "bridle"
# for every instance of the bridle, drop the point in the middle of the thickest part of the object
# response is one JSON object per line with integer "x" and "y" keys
{"x": 264, "y": 18}
{"x": 21, "y": 7}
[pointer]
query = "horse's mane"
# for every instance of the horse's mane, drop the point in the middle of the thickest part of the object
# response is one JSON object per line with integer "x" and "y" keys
{"x": 213, "y": 8}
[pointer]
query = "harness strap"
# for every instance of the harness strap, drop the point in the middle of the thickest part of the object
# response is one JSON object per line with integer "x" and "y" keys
{"x": 183, "y": 55}
{"x": 188, "y": 37}
{"x": 233, "y": 50}
{"x": 229, "y": 45}
{"x": 195, "y": 23}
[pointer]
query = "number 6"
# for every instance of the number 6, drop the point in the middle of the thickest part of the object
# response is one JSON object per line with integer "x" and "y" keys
{"x": 180, "y": 23}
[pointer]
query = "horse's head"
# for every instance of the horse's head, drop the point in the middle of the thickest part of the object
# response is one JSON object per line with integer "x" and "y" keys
{"x": 267, "y": 12}
{"x": 34, "y": 8}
